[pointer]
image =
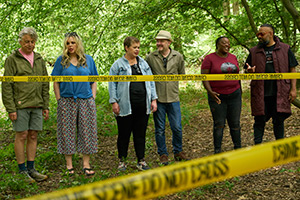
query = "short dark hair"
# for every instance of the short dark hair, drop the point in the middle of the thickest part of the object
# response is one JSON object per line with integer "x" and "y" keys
{"x": 129, "y": 40}
{"x": 270, "y": 26}
{"x": 218, "y": 40}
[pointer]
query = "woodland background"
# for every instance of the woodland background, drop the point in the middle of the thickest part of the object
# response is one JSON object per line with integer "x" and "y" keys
{"x": 103, "y": 26}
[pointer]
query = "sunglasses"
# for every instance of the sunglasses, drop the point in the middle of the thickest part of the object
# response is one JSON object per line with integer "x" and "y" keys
{"x": 262, "y": 34}
{"x": 137, "y": 69}
{"x": 165, "y": 62}
{"x": 72, "y": 34}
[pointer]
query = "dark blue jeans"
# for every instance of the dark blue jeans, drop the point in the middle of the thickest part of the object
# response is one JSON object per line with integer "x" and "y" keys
{"x": 230, "y": 109}
{"x": 277, "y": 120}
{"x": 174, "y": 117}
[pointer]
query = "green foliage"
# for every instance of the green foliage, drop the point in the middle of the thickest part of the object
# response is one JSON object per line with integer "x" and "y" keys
{"x": 191, "y": 92}
{"x": 229, "y": 185}
{"x": 50, "y": 124}
{"x": 5, "y": 123}
{"x": 15, "y": 183}
{"x": 287, "y": 170}
{"x": 49, "y": 159}
{"x": 105, "y": 118}
{"x": 198, "y": 192}
{"x": 103, "y": 25}
{"x": 7, "y": 153}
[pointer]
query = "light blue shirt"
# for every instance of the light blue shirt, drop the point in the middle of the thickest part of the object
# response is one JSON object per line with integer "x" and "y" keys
{"x": 75, "y": 89}
{"x": 119, "y": 91}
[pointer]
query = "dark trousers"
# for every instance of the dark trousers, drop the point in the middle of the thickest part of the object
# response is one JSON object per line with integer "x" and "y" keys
{"x": 230, "y": 109}
{"x": 277, "y": 120}
{"x": 137, "y": 124}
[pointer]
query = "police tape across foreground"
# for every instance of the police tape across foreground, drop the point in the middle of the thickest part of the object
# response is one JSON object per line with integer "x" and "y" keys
{"x": 186, "y": 175}
{"x": 137, "y": 78}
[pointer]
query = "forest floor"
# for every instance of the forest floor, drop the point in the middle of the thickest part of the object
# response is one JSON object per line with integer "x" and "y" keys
{"x": 280, "y": 182}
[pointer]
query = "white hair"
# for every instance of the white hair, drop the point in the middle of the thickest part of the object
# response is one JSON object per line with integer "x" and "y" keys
{"x": 28, "y": 31}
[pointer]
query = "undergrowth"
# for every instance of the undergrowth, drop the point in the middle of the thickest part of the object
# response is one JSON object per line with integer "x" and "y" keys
{"x": 48, "y": 159}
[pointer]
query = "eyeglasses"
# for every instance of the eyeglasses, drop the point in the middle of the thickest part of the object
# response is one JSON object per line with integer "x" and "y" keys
{"x": 165, "y": 62}
{"x": 262, "y": 34}
{"x": 72, "y": 34}
{"x": 137, "y": 69}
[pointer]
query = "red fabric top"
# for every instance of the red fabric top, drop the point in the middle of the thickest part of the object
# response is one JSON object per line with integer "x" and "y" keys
{"x": 220, "y": 65}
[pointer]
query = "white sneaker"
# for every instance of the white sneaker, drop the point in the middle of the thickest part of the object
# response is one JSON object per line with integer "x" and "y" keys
{"x": 142, "y": 165}
{"x": 122, "y": 166}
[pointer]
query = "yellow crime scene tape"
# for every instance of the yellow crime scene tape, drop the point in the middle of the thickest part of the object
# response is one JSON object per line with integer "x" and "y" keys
{"x": 137, "y": 78}
{"x": 185, "y": 175}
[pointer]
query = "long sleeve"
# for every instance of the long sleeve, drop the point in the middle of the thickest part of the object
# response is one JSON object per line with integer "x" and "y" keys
{"x": 8, "y": 87}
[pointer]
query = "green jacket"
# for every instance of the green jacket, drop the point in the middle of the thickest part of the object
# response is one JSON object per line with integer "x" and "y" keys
{"x": 18, "y": 95}
{"x": 167, "y": 91}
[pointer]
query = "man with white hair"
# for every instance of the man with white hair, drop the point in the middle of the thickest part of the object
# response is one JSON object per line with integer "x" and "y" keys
{"x": 26, "y": 102}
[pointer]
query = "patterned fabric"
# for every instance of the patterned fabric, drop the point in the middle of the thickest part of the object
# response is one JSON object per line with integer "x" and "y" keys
{"x": 76, "y": 117}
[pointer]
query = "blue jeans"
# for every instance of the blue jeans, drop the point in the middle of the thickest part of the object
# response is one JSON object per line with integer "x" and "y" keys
{"x": 174, "y": 117}
{"x": 230, "y": 109}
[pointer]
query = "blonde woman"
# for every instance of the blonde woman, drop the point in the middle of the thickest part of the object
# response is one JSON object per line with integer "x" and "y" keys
{"x": 76, "y": 109}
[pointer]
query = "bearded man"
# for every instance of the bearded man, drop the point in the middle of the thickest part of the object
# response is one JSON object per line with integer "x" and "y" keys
{"x": 271, "y": 98}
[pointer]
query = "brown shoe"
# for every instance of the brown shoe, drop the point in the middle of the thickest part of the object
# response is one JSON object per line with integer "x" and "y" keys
{"x": 36, "y": 175}
{"x": 26, "y": 177}
{"x": 164, "y": 159}
{"x": 181, "y": 156}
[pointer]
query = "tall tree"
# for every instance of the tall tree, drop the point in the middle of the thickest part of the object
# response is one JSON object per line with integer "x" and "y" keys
{"x": 226, "y": 8}
{"x": 293, "y": 11}
{"x": 250, "y": 17}
{"x": 236, "y": 7}
{"x": 103, "y": 25}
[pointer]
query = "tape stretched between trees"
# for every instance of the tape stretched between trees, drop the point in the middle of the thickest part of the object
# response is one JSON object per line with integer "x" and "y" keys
{"x": 185, "y": 175}
{"x": 137, "y": 78}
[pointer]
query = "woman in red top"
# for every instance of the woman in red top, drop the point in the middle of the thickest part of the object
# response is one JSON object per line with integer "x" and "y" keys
{"x": 224, "y": 97}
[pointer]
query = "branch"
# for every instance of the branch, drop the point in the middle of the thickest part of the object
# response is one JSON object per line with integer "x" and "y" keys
{"x": 296, "y": 103}
{"x": 219, "y": 22}
{"x": 283, "y": 22}
{"x": 201, "y": 58}
{"x": 293, "y": 46}
{"x": 12, "y": 11}
{"x": 250, "y": 17}
{"x": 107, "y": 25}
{"x": 85, "y": 20}
{"x": 292, "y": 10}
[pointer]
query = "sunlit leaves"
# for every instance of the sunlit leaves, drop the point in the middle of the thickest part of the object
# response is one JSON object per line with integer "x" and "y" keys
{"x": 104, "y": 24}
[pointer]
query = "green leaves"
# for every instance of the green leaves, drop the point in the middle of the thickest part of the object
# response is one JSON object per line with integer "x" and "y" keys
{"x": 103, "y": 25}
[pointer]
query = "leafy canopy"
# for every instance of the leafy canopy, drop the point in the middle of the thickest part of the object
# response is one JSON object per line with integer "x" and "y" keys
{"x": 104, "y": 24}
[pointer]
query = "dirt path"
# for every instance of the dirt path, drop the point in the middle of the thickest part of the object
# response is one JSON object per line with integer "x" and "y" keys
{"x": 282, "y": 182}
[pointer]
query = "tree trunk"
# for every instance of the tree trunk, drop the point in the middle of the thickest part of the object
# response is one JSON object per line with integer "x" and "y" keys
{"x": 250, "y": 17}
{"x": 292, "y": 10}
{"x": 296, "y": 103}
{"x": 285, "y": 23}
{"x": 226, "y": 8}
{"x": 236, "y": 7}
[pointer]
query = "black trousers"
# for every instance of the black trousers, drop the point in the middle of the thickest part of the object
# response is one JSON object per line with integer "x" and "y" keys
{"x": 137, "y": 124}
{"x": 277, "y": 120}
